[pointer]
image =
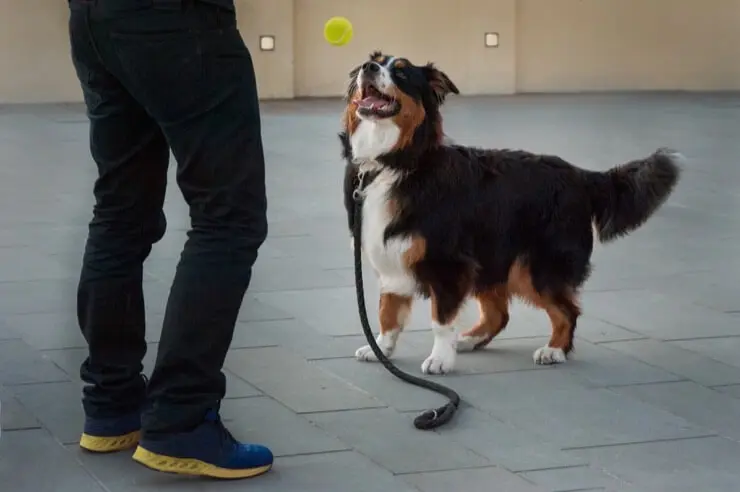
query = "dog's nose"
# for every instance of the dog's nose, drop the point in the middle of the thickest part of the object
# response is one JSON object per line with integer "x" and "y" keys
{"x": 371, "y": 67}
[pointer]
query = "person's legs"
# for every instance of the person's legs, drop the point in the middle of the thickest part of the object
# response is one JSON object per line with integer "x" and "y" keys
{"x": 186, "y": 63}
{"x": 132, "y": 155}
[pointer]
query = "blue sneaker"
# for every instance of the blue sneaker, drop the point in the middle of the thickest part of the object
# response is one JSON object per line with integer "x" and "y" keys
{"x": 111, "y": 434}
{"x": 209, "y": 451}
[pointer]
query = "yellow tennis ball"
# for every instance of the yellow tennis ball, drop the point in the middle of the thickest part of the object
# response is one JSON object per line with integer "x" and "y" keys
{"x": 338, "y": 31}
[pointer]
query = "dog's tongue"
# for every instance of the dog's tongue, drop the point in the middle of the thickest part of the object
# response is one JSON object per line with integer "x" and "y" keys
{"x": 371, "y": 102}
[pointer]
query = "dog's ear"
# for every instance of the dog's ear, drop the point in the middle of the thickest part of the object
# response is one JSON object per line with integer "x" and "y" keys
{"x": 440, "y": 82}
{"x": 352, "y": 83}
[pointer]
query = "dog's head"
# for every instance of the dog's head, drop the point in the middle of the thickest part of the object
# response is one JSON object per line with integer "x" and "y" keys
{"x": 393, "y": 106}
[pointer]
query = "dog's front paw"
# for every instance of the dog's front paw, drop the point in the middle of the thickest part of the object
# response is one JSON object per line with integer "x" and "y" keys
{"x": 366, "y": 354}
{"x": 548, "y": 355}
{"x": 444, "y": 351}
{"x": 438, "y": 364}
{"x": 386, "y": 342}
{"x": 441, "y": 360}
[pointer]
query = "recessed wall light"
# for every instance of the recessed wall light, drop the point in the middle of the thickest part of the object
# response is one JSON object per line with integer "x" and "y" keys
{"x": 267, "y": 43}
{"x": 490, "y": 40}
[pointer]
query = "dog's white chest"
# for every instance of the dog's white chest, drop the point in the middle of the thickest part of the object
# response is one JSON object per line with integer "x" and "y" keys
{"x": 386, "y": 257}
{"x": 373, "y": 138}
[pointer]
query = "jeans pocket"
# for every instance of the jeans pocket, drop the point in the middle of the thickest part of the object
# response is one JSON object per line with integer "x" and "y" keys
{"x": 177, "y": 75}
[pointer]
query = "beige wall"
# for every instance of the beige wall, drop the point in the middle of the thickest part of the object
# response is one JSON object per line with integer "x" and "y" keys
{"x": 576, "y": 45}
{"x": 448, "y": 33}
{"x": 546, "y": 45}
{"x": 275, "y": 69}
{"x": 35, "y": 67}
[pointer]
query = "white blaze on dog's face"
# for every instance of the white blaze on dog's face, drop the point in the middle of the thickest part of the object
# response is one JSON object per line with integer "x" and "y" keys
{"x": 389, "y": 98}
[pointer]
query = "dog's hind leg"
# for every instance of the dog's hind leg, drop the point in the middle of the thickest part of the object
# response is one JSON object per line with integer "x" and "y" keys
{"x": 563, "y": 312}
{"x": 560, "y": 303}
{"x": 494, "y": 316}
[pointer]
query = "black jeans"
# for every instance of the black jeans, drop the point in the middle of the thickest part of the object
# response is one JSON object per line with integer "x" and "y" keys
{"x": 161, "y": 75}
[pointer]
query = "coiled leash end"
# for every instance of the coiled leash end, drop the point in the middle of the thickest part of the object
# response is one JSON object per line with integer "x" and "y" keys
{"x": 430, "y": 419}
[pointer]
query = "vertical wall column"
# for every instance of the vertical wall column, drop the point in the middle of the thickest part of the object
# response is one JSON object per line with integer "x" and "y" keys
{"x": 275, "y": 69}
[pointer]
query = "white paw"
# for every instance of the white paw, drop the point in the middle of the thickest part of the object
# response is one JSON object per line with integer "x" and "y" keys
{"x": 468, "y": 343}
{"x": 442, "y": 358}
{"x": 366, "y": 354}
{"x": 386, "y": 342}
{"x": 439, "y": 363}
{"x": 548, "y": 355}
{"x": 444, "y": 351}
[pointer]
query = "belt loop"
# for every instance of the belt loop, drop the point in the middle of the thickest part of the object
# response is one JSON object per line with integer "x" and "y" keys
{"x": 167, "y": 4}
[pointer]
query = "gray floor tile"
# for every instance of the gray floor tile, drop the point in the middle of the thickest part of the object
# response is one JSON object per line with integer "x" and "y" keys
{"x": 658, "y": 316}
{"x": 47, "y": 330}
{"x": 725, "y": 350}
{"x": 266, "y": 421}
{"x": 474, "y": 480}
{"x": 707, "y": 288}
{"x": 57, "y": 406}
{"x": 560, "y": 410}
{"x": 6, "y": 333}
{"x": 679, "y": 361}
{"x": 37, "y": 296}
{"x": 389, "y": 439}
{"x": 295, "y": 273}
{"x": 505, "y": 445}
{"x": 14, "y": 415}
{"x": 296, "y": 383}
{"x": 23, "y": 452}
{"x": 338, "y": 471}
{"x": 376, "y": 380}
{"x": 601, "y": 366}
{"x": 597, "y": 331}
{"x": 699, "y": 405}
{"x": 574, "y": 478}
{"x": 19, "y": 364}
{"x": 732, "y": 390}
{"x": 686, "y": 465}
{"x": 26, "y": 264}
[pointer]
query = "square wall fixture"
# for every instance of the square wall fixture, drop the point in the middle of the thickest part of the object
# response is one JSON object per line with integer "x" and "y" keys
{"x": 267, "y": 43}
{"x": 490, "y": 40}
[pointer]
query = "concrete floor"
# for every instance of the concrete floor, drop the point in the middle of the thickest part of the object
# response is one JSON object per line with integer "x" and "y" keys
{"x": 649, "y": 402}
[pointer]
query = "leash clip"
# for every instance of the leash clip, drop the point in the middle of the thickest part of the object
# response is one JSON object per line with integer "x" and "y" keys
{"x": 359, "y": 191}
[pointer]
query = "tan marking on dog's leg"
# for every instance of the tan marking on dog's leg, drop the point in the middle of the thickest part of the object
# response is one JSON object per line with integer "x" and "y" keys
{"x": 416, "y": 252}
{"x": 393, "y": 313}
{"x": 561, "y": 307}
{"x": 494, "y": 316}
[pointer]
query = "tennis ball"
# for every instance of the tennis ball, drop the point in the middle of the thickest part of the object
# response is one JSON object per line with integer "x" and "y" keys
{"x": 338, "y": 31}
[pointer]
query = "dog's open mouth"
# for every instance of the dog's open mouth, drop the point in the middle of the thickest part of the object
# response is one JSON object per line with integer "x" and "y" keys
{"x": 372, "y": 102}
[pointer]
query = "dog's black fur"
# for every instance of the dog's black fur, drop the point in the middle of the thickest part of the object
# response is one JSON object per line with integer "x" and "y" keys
{"x": 480, "y": 211}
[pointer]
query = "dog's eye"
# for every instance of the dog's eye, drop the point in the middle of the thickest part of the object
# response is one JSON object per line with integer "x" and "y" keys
{"x": 400, "y": 74}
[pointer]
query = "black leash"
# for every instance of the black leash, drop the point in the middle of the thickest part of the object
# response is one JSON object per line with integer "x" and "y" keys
{"x": 431, "y": 418}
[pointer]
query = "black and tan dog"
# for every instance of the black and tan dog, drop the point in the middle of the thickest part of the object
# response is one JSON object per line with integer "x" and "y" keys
{"x": 449, "y": 222}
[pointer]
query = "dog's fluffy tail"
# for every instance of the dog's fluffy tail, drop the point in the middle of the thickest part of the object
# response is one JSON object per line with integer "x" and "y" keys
{"x": 625, "y": 197}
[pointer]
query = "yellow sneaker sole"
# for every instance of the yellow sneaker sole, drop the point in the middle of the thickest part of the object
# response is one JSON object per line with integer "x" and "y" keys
{"x": 190, "y": 466}
{"x": 98, "y": 444}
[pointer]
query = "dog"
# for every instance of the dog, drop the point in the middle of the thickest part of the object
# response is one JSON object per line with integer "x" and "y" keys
{"x": 448, "y": 222}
